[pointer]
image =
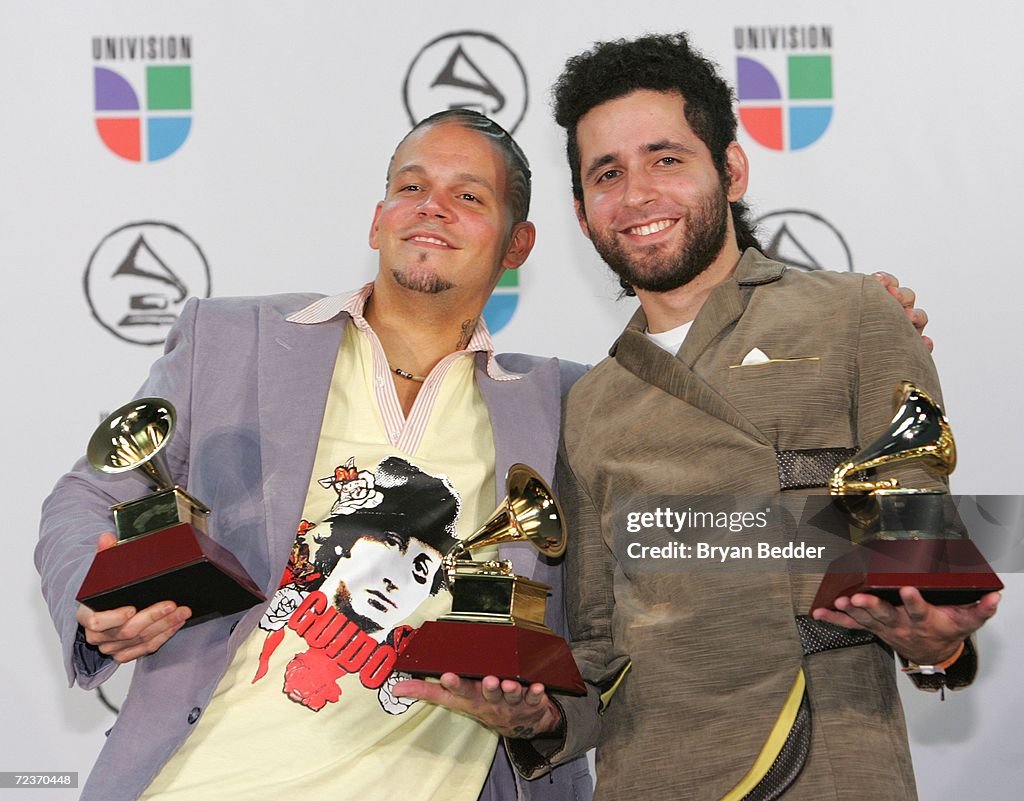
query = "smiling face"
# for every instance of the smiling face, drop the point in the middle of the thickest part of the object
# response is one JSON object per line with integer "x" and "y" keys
{"x": 383, "y": 580}
{"x": 654, "y": 204}
{"x": 444, "y": 224}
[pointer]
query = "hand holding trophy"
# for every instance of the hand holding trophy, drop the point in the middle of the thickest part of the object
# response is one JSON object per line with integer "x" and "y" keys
{"x": 163, "y": 550}
{"x": 496, "y": 626}
{"x": 905, "y": 536}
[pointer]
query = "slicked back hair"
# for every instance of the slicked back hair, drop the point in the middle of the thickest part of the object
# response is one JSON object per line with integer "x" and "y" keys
{"x": 517, "y": 167}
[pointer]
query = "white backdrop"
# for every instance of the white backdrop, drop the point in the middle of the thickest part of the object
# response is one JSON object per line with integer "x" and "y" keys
{"x": 292, "y": 112}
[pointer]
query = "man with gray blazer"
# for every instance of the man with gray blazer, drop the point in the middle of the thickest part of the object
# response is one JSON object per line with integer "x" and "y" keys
{"x": 342, "y": 442}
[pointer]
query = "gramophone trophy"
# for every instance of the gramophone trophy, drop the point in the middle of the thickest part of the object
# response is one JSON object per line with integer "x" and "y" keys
{"x": 496, "y": 626}
{"x": 163, "y": 551}
{"x": 903, "y": 536}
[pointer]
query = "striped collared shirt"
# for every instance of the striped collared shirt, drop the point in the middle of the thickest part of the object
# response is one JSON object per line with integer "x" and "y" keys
{"x": 404, "y": 433}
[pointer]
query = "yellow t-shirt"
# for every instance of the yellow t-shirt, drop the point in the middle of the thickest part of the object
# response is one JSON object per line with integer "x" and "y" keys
{"x": 304, "y": 710}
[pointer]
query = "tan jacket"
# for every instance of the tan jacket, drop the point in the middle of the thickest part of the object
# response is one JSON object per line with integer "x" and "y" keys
{"x": 715, "y": 652}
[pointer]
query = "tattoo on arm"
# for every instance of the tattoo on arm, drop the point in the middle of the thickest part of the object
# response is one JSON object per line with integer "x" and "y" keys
{"x": 523, "y": 732}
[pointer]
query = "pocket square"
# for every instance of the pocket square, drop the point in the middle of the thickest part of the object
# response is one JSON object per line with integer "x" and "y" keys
{"x": 756, "y": 356}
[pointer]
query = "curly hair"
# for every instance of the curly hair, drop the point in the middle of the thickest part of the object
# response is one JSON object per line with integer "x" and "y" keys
{"x": 660, "y": 63}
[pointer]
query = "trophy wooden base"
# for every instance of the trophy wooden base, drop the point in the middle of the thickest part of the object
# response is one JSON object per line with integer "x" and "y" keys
{"x": 946, "y": 571}
{"x": 476, "y": 650}
{"x": 180, "y": 564}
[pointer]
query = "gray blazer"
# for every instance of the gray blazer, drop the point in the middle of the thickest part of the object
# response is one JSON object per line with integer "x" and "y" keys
{"x": 250, "y": 389}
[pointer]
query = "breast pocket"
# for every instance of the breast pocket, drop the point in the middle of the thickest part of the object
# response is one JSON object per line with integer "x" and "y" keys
{"x": 794, "y": 403}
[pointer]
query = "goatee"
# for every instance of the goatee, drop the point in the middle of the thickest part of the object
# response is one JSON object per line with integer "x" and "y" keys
{"x": 428, "y": 283}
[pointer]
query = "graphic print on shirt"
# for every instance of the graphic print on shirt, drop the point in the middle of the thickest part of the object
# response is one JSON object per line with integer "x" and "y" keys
{"x": 355, "y": 489}
{"x": 352, "y": 579}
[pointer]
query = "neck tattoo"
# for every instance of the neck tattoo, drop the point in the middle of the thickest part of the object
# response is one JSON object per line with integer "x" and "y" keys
{"x": 468, "y": 326}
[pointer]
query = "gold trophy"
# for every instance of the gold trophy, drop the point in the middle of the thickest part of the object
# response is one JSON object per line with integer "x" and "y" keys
{"x": 496, "y": 626}
{"x": 904, "y": 536}
{"x": 163, "y": 550}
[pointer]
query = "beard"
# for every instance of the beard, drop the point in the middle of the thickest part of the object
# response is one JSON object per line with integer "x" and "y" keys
{"x": 421, "y": 279}
{"x": 653, "y": 268}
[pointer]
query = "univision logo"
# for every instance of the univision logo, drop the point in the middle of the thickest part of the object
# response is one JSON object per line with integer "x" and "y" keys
{"x": 785, "y": 100}
{"x": 503, "y": 301}
{"x": 143, "y": 110}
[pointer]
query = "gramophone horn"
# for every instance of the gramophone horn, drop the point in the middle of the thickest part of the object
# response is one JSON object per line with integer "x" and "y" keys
{"x": 133, "y": 437}
{"x": 919, "y": 431}
{"x": 529, "y": 512}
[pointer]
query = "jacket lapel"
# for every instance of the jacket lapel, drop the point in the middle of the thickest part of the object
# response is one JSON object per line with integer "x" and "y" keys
{"x": 296, "y": 364}
{"x": 525, "y": 418}
{"x": 675, "y": 374}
